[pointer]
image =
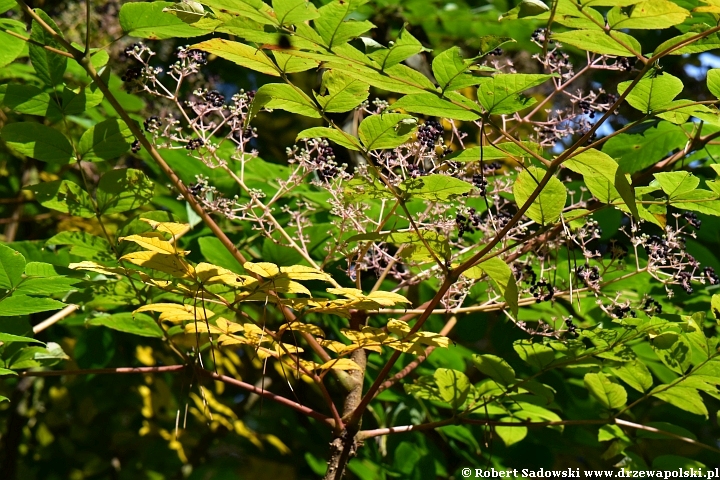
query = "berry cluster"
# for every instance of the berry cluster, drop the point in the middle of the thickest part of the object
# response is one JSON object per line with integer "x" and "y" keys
{"x": 196, "y": 56}
{"x": 652, "y": 306}
{"x": 132, "y": 73}
{"x": 538, "y": 36}
{"x": 328, "y": 169}
{"x": 710, "y": 275}
{"x": 571, "y": 327}
{"x": 625, "y": 63}
{"x": 194, "y": 143}
{"x": 491, "y": 167}
{"x": 429, "y": 133}
{"x": 657, "y": 248}
{"x": 416, "y": 171}
{"x": 589, "y": 275}
{"x": 685, "y": 278}
{"x": 135, "y": 147}
{"x": 481, "y": 183}
{"x": 496, "y": 52}
{"x": 526, "y": 274}
{"x": 542, "y": 291}
{"x": 215, "y": 98}
{"x": 621, "y": 311}
{"x": 692, "y": 219}
{"x": 467, "y": 223}
{"x": 152, "y": 124}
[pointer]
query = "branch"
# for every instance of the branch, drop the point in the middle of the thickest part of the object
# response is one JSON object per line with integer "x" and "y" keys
{"x": 55, "y": 318}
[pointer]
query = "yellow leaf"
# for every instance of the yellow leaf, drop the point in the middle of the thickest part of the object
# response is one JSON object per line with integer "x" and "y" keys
{"x": 174, "y": 312}
{"x": 433, "y": 339}
{"x": 221, "y": 326}
{"x": 172, "y": 228}
{"x": 398, "y": 327}
{"x": 285, "y": 348}
{"x": 340, "y": 364}
{"x": 303, "y": 327}
{"x": 97, "y": 268}
{"x": 347, "y": 292}
{"x": 300, "y": 272}
{"x": 153, "y": 243}
{"x": 172, "y": 264}
{"x": 264, "y": 269}
{"x": 387, "y": 299}
{"x": 285, "y": 285}
{"x": 210, "y": 274}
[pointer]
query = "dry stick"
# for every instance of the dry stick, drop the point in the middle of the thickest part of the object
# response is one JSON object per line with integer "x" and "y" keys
{"x": 94, "y": 371}
{"x": 55, "y": 318}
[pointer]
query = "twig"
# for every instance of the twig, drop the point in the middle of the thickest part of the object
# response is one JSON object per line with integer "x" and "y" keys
{"x": 54, "y": 319}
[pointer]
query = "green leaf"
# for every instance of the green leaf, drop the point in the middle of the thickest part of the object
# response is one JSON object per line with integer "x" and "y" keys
{"x": 599, "y": 168}
{"x": 12, "y": 264}
{"x": 49, "y": 66}
{"x": 499, "y": 151}
{"x": 647, "y": 15}
{"x": 283, "y": 97}
{"x": 293, "y": 64}
{"x": 388, "y": 130}
{"x": 452, "y": 71}
{"x": 137, "y": 324}
{"x": 37, "y": 141}
{"x": 635, "y": 374}
{"x": 47, "y": 286}
{"x": 709, "y": 42}
{"x": 147, "y": 20}
{"x": 430, "y": 104}
{"x": 42, "y": 269}
{"x": 333, "y": 28}
{"x": 636, "y": 151}
{"x": 599, "y": 41}
{"x": 74, "y": 103}
{"x": 9, "y": 338}
{"x": 64, "y": 196}
{"x": 496, "y": 368}
{"x": 107, "y": 140}
{"x": 30, "y": 357}
{"x": 294, "y": 11}
{"x": 610, "y": 394}
{"x": 548, "y": 205}
{"x": 252, "y": 9}
{"x": 122, "y": 190}
{"x": 344, "y": 139}
{"x": 534, "y": 354}
{"x": 453, "y": 386}
{"x": 676, "y": 184}
{"x": 511, "y": 435}
{"x": 435, "y": 187}
{"x": 25, "y": 305}
{"x": 501, "y": 274}
{"x": 652, "y": 92}
{"x": 343, "y": 92}
{"x": 501, "y": 94}
{"x": 27, "y": 99}
{"x": 677, "y": 356}
{"x": 240, "y": 54}
{"x": 404, "y": 47}
{"x": 685, "y": 398}
{"x": 12, "y": 46}
{"x": 84, "y": 245}
{"x": 713, "y": 81}
{"x": 216, "y": 253}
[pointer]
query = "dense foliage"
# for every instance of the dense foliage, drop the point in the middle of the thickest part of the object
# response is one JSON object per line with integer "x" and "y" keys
{"x": 431, "y": 235}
